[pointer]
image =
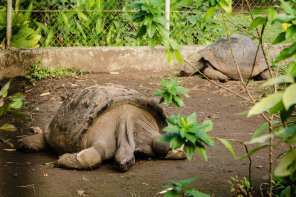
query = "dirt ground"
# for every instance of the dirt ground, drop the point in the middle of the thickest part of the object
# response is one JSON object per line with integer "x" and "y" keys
{"x": 24, "y": 174}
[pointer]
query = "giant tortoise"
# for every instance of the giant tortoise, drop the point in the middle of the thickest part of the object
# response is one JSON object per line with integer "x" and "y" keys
{"x": 102, "y": 122}
{"x": 216, "y": 60}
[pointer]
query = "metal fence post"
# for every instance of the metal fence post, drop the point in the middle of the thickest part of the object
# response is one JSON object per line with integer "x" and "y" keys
{"x": 8, "y": 23}
{"x": 167, "y": 13}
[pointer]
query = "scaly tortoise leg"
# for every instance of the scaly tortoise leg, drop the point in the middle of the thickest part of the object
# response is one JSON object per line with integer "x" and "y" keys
{"x": 32, "y": 143}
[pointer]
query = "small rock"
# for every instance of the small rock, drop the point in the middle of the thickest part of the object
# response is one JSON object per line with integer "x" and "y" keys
{"x": 81, "y": 193}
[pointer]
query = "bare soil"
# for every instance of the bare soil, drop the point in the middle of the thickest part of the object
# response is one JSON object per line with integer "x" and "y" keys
{"x": 34, "y": 175}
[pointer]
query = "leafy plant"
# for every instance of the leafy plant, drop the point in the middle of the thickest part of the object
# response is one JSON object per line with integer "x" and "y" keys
{"x": 185, "y": 131}
{"x": 283, "y": 187}
{"x": 177, "y": 188}
{"x": 10, "y": 104}
{"x": 23, "y": 36}
{"x": 40, "y": 72}
{"x": 170, "y": 93}
{"x": 153, "y": 24}
{"x": 240, "y": 187}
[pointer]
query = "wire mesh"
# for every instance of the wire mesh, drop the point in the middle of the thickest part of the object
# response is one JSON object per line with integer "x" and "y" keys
{"x": 90, "y": 23}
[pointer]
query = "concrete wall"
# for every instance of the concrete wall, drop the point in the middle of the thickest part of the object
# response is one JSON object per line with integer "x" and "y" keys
{"x": 15, "y": 62}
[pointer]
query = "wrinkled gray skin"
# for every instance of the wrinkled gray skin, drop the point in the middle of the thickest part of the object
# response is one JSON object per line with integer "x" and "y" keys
{"x": 216, "y": 60}
{"x": 100, "y": 123}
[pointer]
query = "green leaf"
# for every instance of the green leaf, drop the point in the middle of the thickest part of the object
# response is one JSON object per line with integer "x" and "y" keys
{"x": 141, "y": 32}
{"x": 227, "y": 145}
{"x": 258, "y": 21}
{"x": 179, "y": 101}
{"x": 190, "y": 137}
{"x": 202, "y": 152}
{"x": 266, "y": 103}
{"x": 260, "y": 139}
{"x": 166, "y": 138}
{"x": 66, "y": 21}
{"x": 16, "y": 104}
{"x": 177, "y": 142}
{"x": 256, "y": 11}
{"x": 185, "y": 182}
{"x": 289, "y": 97}
{"x": 226, "y": 5}
{"x": 205, "y": 138}
{"x": 151, "y": 30}
{"x": 191, "y": 119}
{"x": 170, "y": 56}
{"x": 160, "y": 92}
{"x": 164, "y": 82}
{"x": 167, "y": 99}
{"x": 172, "y": 193}
{"x": 4, "y": 90}
{"x": 138, "y": 16}
{"x": 80, "y": 30}
{"x": 287, "y": 7}
{"x": 287, "y": 134}
{"x": 286, "y": 53}
{"x": 279, "y": 79}
{"x": 260, "y": 130}
{"x": 209, "y": 125}
{"x": 280, "y": 38}
{"x": 254, "y": 150}
{"x": 171, "y": 128}
{"x": 183, "y": 132}
{"x": 196, "y": 193}
{"x": 209, "y": 13}
{"x": 271, "y": 13}
{"x": 8, "y": 127}
{"x": 290, "y": 32}
{"x": 287, "y": 165}
{"x": 189, "y": 150}
{"x": 182, "y": 90}
{"x": 284, "y": 18}
{"x": 178, "y": 56}
{"x": 49, "y": 38}
{"x": 291, "y": 68}
{"x": 285, "y": 114}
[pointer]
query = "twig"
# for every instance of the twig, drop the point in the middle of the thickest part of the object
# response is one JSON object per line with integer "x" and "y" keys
{"x": 247, "y": 151}
{"x": 29, "y": 186}
{"x": 6, "y": 142}
{"x": 213, "y": 82}
{"x": 242, "y": 29}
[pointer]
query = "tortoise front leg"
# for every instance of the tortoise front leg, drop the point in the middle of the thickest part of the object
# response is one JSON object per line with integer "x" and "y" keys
{"x": 86, "y": 159}
{"x": 32, "y": 143}
{"x": 215, "y": 74}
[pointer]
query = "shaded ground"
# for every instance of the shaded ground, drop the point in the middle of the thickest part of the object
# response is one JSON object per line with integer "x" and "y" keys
{"x": 33, "y": 174}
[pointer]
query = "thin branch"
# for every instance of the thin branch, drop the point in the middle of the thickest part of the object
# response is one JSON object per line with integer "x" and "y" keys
{"x": 242, "y": 29}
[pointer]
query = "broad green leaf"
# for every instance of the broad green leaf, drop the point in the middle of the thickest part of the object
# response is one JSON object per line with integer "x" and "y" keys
{"x": 289, "y": 97}
{"x": 271, "y": 13}
{"x": 171, "y": 128}
{"x": 80, "y": 30}
{"x": 288, "y": 134}
{"x": 174, "y": 44}
{"x": 141, "y": 32}
{"x": 173, "y": 82}
{"x": 8, "y": 127}
{"x": 66, "y": 21}
{"x": 152, "y": 42}
{"x": 164, "y": 82}
{"x": 191, "y": 119}
{"x": 185, "y": 182}
{"x": 136, "y": 5}
{"x": 290, "y": 32}
{"x": 205, "y": 139}
{"x": 170, "y": 56}
{"x": 209, "y": 13}
{"x": 280, "y": 38}
{"x": 255, "y": 11}
{"x": 227, "y": 145}
{"x": 254, "y": 150}
{"x": 287, "y": 7}
{"x": 286, "y": 53}
{"x": 159, "y": 92}
{"x": 285, "y": 114}
{"x": 284, "y": 18}
{"x": 148, "y": 19}
{"x": 138, "y": 16}
{"x": 208, "y": 124}
{"x": 260, "y": 130}
{"x": 167, "y": 99}
{"x": 16, "y": 104}
{"x": 226, "y": 5}
{"x": 182, "y": 90}
{"x": 49, "y": 38}
{"x": 190, "y": 137}
{"x": 178, "y": 56}
{"x": 279, "y": 79}
{"x": 202, "y": 152}
{"x": 17, "y": 113}
{"x": 151, "y": 29}
{"x": 258, "y": 21}
{"x": 99, "y": 26}
{"x": 260, "y": 139}
{"x": 179, "y": 101}
{"x": 196, "y": 193}
{"x": 81, "y": 15}
{"x": 287, "y": 165}
{"x": 183, "y": 132}
{"x": 198, "y": 127}
{"x": 189, "y": 150}
{"x": 4, "y": 90}
{"x": 177, "y": 142}
{"x": 291, "y": 68}
{"x": 266, "y": 103}
{"x": 166, "y": 138}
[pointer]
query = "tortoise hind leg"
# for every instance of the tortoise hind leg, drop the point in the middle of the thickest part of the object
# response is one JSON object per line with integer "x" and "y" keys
{"x": 86, "y": 159}
{"x": 32, "y": 143}
{"x": 215, "y": 74}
